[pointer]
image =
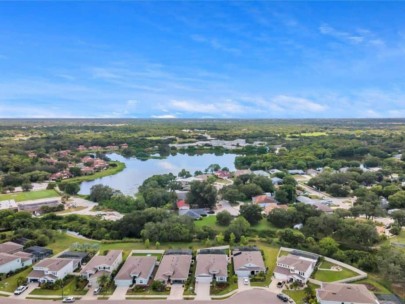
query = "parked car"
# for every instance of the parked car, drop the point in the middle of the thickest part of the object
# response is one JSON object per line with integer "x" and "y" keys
{"x": 20, "y": 289}
{"x": 282, "y": 297}
{"x": 68, "y": 300}
{"x": 280, "y": 284}
{"x": 97, "y": 291}
{"x": 245, "y": 281}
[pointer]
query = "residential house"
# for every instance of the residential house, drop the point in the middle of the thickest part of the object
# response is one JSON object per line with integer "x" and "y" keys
{"x": 174, "y": 267}
{"x": 136, "y": 270}
{"x": 51, "y": 270}
{"x": 270, "y": 207}
{"x": 294, "y": 268}
{"x": 181, "y": 194}
{"x": 195, "y": 214}
{"x": 77, "y": 255}
{"x": 340, "y": 293}
{"x": 182, "y": 205}
{"x": 211, "y": 267}
{"x": 242, "y": 172}
{"x": 248, "y": 262}
{"x": 312, "y": 172}
{"x": 276, "y": 180}
{"x": 296, "y": 172}
{"x": 222, "y": 174}
{"x": 13, "y": 262}
{"x": 101, "y": 264}
{"x": 87, "y": 170}
{"x": 274, "y": 171}
{"x": 39, "y": 253}
{"x": 8, "y": 205}
{"x": 261, "y": 173}
{"x": 10, "y": 247}
{"x": 124, "y": 146}
{"x": 264, "y": 200}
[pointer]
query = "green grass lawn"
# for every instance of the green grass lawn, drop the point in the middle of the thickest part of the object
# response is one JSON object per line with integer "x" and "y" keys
{"x": 262, "y": 225}
{"x": 10, "y": 284}
{"x": 31, "y": 195}
{"x": 210, "y": 221}
{"x": 399, "y": 238}
{"x": 63, "y": 242}
{"x": 148, "y": 292}
{"x": 326, "y": 265}
{"x": 284, "y": 253}
{"x": 69, "y": 289}
{"x": 297, "y": 295}
{"x": 331, "y": 276}
{"x": 374, "y": 286}
{"x": 270, "y": 259}
{"x": 217, "y": 290}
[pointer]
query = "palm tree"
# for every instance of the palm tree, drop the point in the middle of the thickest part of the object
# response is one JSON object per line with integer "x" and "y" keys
{"x": 103, "y": 281}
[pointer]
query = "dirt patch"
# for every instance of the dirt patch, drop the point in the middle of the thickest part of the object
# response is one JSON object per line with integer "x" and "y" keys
{"x": 399, "y": 289}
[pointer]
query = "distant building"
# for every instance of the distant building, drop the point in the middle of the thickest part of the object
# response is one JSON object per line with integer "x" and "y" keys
{"x": 39, "y": 253}
{"x": 264, "y": 200}
{"x": 261, "y": 173}
{"x": 242, "y": 172}
{"x": 296, "y": 172}
{"x": 77, "y": 255}
{"x": 195, "y": 214}
{"x": 10, "y": 247}
{"x": 276, "y": 180}
{"x": 13, "y": 262}
{"x": 35, "y": 206}
{"x": 182, "y": 205}
{"x": 274, "y": 171}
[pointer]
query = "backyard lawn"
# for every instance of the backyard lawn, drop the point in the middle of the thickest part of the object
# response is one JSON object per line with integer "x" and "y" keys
{"x": 210, "y": 221}
{"x": 10, "y": 284}
{"x": 63, "y": 242}
{"x": 31, "y": 195}
{"x": 297, "y": 295}
{"x": 332, "y": 276}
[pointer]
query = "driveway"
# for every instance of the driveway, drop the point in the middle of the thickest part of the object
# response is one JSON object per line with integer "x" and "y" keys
{"x": 176, "y": 292}
{"x": 89, "y": 295}
{"x": 226, "y": 206}
{"x": 202, "y": 291}
{"x": 241, "y": 284}
{"x": 273, "y": 286}
{"x": 119, "y": 293}
{"x": 26, "y": 293}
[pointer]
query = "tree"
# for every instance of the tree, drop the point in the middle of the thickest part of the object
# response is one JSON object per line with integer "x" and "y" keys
{"x": 184, "y": 173}
{"x": 72, "y": 188}
{"x": 219, "y": 239}
{"x": 328, "y": 246}
{"x": 21, "y": 280}
{"x": 75, "y": 171}
{"x": 397, "y": 200}
{"x": 399, "y": 217}
{"x": 238, "y": 227}
{"x": 224, "y": 218}
{"x": 282, "y": 196}
{"x": 104, "y": 280}
{"x": 252, "y": 213}
{"x": 26, "y": 187}
{"x": 213, "y": 168}
{"x": 250, "y": 190}
{"x": 264, "y": 182}
{"x": 157, "y": 285}
{"x": 291, "y": 237}
{"x": 147, "y": 243}
{"x": 202, "y": 194}
{"x": 232, "y": 194}
{"x": 243, "y": 240}
{"x": 232, "y": 238}
{"x": 368, "y": 204}
{"x": 99, "y": 193}
{"x": 157, "y": 245}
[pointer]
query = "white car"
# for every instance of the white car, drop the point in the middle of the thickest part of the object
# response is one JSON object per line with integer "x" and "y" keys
{"x": 20, "y": 289}
{"x": 245, "y": 281}
{"x": 68, "y": 300}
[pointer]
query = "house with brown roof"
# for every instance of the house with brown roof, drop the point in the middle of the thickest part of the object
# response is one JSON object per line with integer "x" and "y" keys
{"x": 10, "y": 247}
{"x": 263, "y": 200}
{"x": 101, "y": 264}
{"x": 211, "y": 267}
{"x": 174, "y": 268}
{"x": 51, "y": 270}
{"x": 242, "y": 172}
{"x": 340, "y": 293}
{"x": 12, "y": 262}
{"x": 137, "y": 270}
{"x": 270, "y": 207}
{"x": 294, "y": 268}
{"x": 247, "y": 262}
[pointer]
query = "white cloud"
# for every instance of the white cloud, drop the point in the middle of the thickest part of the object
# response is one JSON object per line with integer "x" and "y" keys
{"x": 359, "y": 36}
{"x": 290, "y": 103}
{"x": 215, "y": 44}
{"x": 164, "y": 116}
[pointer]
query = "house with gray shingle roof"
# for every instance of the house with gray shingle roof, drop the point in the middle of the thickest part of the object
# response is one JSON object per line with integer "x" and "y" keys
{"x": 340, "y": 293}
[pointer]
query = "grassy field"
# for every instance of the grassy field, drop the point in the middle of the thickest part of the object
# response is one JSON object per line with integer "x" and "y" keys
{"x": 110, "y": 171}
{"x": 297, "y": 295}
{"x": 63, "y": 242}
{"x": 69, "y": 289}
{"x": 10, "y": 284}
{"x": 399, "y": 238}
{"x": 374, "y": 286}
{"x": 332, "y": 276}
{"x": 210, "y": 221}
{"x": 26, "y": 196}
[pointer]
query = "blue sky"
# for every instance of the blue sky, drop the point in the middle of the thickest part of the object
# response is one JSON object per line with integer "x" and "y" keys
{"x": 204, "y": 59}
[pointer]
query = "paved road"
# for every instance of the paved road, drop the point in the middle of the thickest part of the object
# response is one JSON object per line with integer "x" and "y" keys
{"x": 256, "y": 296}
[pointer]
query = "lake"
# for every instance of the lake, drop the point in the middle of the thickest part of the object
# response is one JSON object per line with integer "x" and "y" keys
{"x": 136, "y": 171}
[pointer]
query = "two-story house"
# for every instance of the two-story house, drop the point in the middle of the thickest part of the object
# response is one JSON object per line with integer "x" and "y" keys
{"x": 294, "y": 268}
{"x": 51, "y": 270}
{"x": 101, "y": 264}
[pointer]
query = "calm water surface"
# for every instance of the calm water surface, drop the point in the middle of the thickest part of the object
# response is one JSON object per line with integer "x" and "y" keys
{"x": 136, "y": 171}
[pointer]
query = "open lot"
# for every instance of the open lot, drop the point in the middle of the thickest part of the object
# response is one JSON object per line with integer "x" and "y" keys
{"x": 26, "y": 196}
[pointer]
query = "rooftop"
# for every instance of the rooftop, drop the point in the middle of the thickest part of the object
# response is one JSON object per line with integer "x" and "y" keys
{"x": 210, "y": 264}
{"x": 175, "y": 266}
{"x": 138, "y": 266}
{"x": 251, "y": 258}
{"x": 339, "y": 292}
